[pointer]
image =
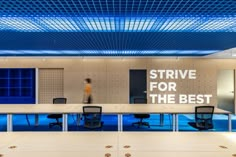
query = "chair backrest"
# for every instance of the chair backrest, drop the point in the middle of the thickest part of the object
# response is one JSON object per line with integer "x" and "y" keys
{"x": 140, "y": 100}
{"x": 203, "y": 117}
{"x": 92, "y": 116}
{"x": 59, "y": 100}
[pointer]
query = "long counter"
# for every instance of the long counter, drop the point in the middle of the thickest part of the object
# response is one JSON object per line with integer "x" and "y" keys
{"x": 118, "y": 109}
{"x": 118, "y": 144}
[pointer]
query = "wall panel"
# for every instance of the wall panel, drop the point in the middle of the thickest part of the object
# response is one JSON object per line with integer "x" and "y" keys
{"x": 110, "y": 76}
{"x": 51, "y": 84}
{"x": 117, "y": 81}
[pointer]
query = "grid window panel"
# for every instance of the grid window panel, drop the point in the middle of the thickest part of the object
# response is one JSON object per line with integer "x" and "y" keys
{"x": 14, "y": 88}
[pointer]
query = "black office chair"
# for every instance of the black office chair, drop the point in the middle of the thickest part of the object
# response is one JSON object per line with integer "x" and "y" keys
{"x": 92, "y": 117}
{"x": 203, "y": 118}
{"x": 56, "y": 116}
{"x": 141, "y": 116}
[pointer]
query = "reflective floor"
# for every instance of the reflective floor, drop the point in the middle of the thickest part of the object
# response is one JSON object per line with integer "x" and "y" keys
{"x": 110, "y": 123}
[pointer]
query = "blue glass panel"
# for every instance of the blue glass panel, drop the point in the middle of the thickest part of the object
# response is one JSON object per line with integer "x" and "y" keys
{"x": 17, "y": 86}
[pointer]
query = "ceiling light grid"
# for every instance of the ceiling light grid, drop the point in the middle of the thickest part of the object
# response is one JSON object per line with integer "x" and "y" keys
{"x": 104, "y": 53}
{"x": 118, "y": 15}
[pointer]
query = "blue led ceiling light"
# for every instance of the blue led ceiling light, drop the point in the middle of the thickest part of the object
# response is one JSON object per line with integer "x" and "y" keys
{"x": 118, "y": 24}
{"x": 103, "y": 53}
{"x": 116, "y": 7}
{"x": 95, "y": 16}
{"x": 118, "y": 15}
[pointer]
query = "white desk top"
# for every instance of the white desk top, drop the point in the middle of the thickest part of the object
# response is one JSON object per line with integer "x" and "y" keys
{"x": 90, "y": 144}
{"x": 163, "y": 108}
{"x": 54, "y": 108}
{"x": 58, "y": 144}
{"x": 176, "y": 154}
{"x": 106, "y": 108}
{"x": 184, "y": 144}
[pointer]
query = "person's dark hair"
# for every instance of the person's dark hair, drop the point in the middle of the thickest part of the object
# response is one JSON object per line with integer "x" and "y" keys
{"x": 88, "y": 80}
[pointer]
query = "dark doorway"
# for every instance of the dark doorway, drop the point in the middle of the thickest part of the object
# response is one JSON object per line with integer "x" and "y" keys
{"x": 137, "y": 84}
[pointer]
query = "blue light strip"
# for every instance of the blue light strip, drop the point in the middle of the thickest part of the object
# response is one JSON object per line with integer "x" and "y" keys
{"x": 118, "y": 24}
{"x": 104, "y": 53}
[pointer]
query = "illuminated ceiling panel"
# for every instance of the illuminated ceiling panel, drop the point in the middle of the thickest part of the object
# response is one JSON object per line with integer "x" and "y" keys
{"x": 103, "y": 53}
{"x": 117, "y": 27}
{"x": 118, "y": 24}
{"x": 118, "y": 15}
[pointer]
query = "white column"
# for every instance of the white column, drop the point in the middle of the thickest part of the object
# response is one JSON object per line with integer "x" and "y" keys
{"x": 9, "y": 123}
{"x": 120, "y": 122}
{"x": 229, "y": 122}
{"x": 64, "y": 122}
{"x": 173, "y": 121}
{"x": 176, "y": 122}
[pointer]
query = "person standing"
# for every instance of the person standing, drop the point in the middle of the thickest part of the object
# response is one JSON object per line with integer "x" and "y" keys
{"x": 87, "y": 97}
{"x": 87, "y": 91}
